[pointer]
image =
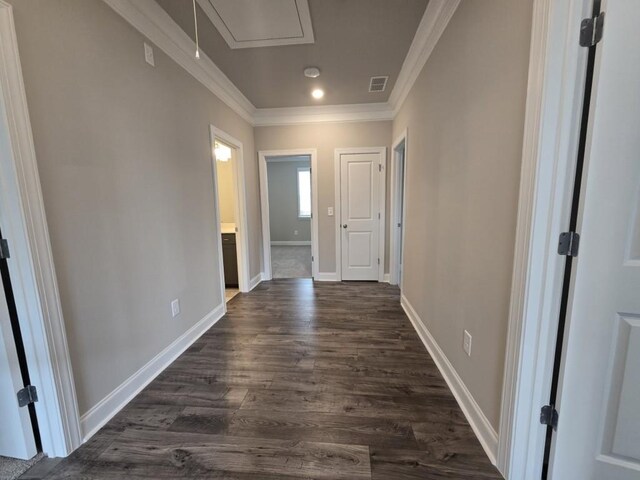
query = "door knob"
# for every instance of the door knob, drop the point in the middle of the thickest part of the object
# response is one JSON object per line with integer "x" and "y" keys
{"x": 344, "y": 226}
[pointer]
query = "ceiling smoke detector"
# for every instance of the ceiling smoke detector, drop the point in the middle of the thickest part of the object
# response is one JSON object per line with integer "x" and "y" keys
{"x": 378, "y": 84}
{"x": 312, "y": 72}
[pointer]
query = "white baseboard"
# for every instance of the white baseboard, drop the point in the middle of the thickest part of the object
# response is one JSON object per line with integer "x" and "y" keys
{"x": 386, "y": 278}
{"x": 103, "y": 411}
{"x": 253, "y": 283}
{"x": 486, "y": 434}
{"x": 292, "y": 242}
{"x": 326, "y": 277}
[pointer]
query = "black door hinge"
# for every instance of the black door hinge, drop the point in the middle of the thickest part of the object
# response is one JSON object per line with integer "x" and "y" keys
{"x": 27, "y": 396}
{"x": 591, "y": 30}
{"x": 568, "y": 244}
{"x": 549, "y": 416}
{"x": 4, "y": 249}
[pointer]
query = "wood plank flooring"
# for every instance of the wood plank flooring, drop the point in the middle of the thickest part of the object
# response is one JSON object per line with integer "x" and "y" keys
{"x": 298, "y": 381}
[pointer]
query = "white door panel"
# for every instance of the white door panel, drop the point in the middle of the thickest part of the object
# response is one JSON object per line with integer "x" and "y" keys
{"x": 16, "y": 433}
{"x": 359, "y": 222}
{"x": 598, "y": 433}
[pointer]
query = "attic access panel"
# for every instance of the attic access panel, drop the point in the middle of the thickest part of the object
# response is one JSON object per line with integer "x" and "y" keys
{"x": 267, "y": 23}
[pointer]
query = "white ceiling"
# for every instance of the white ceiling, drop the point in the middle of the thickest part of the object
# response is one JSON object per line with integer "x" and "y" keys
{"x": 264, "y": 23}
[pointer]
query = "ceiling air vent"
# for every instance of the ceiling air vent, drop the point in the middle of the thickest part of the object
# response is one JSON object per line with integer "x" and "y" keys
{"x": 378, "y": 84}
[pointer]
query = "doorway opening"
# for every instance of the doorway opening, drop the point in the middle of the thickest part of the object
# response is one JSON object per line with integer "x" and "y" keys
{"x": 230, "y": 214}
{"x": 398, "y": 182}
{"x": 287, "y": 182}
{"x": 227, "y": 204}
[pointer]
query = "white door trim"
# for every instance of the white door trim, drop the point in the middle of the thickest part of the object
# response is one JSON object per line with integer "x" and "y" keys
{"x": 264, "y": 203}
{"x": 552, "y": 122}
{"x": 242, "y": 232}
{"x": 382, "y": 151}
{"x": 394, "y": 201}
{"x": 31, "y": 264}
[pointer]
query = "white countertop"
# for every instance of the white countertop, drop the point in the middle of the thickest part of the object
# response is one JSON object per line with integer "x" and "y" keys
{"x": 228, "y": 227}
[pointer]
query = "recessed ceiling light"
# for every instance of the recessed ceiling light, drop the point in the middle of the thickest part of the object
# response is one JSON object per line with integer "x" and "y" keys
{"x": 317, "y": 93}
{"x": 312, "y": 72}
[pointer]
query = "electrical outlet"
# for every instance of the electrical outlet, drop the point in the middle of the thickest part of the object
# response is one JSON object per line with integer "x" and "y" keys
{"x": 175, "y": 307}
{"x": 148, "y": 54}
{"x": 466, "y": 343}
{"x": 330, "y": 211}
{"x": 295, "y": 232}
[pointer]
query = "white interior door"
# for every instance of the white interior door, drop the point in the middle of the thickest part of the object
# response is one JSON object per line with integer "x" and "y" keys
{"x": 359, "y": 212}
{"x": 598, "y": 434}
{"x": 16, "y": 433}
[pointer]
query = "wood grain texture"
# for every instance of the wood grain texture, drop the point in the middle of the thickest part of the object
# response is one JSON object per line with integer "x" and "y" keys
{"x": 298, "y": 381}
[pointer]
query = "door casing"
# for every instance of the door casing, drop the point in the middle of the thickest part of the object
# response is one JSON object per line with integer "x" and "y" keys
{"x": 242, "y": 229}
{"x": 397, "y": 199}
{"x": 31, "y": 266}
{"x": 557, "y": 66}
{"x": 263, "y": 156}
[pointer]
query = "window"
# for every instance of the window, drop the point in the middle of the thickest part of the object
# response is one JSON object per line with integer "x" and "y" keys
{"x": 304, "y": 192}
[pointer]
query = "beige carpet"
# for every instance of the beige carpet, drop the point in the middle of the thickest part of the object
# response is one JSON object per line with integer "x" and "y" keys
{"x": 12, "y": 468}
{"x": 229, "y": 293}
{"x": 291, "y": 261}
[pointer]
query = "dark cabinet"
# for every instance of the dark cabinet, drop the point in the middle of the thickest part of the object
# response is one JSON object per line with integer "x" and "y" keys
{"x": 230, "y": 259}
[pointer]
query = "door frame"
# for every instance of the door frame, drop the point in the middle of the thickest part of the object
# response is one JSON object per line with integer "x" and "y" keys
{"x": 398, "y": 187}
{"x": 31, "y": 264}
{"x": 242, "y": 229}
{"x": 264, "y": 205}
{"x": 557, "y": 66}
{"x": 382, "y": 151}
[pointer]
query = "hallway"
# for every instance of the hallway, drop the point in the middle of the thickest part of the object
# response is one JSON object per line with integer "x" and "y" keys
{"x": 298, "y": 380}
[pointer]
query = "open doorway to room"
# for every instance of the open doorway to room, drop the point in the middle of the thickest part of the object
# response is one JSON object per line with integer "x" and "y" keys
{"x": 290, "y": 233}
{"x": 224, "y": 155}
{"x": 398, "y": 177}
{"x": 230, "y": 213}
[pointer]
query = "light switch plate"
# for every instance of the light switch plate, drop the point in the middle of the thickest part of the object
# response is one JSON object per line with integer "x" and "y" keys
{"x": 330, "y": 211}
{"x": 175, "y": 307}
{"x": 148, "y": 54}
{"x": 466, "y": 343}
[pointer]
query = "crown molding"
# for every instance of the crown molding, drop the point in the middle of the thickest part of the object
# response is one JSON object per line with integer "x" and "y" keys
{"x": 152, "y": 21}
{"x": 435, "y": 19}
{"x": 362, "y": 112}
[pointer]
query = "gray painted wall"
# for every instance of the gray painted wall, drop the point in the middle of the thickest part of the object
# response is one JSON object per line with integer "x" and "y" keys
{"x": 465, "y": 121}
{"x": 283, "y": 202}
{"x": 124, "y": 158}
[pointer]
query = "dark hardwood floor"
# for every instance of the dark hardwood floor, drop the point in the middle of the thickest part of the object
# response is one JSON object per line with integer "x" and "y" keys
{"x": 298, "y": 380}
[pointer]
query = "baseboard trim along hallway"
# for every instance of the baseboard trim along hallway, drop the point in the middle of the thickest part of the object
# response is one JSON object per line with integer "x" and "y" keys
{"x": 486, "y": 434}
{"x": 110, "y": 405}
{"x": 297, "y": 380}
